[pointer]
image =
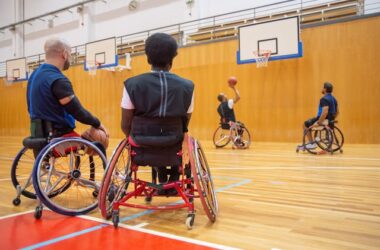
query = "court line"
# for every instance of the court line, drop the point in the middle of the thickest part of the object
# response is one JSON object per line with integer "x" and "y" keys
{"x": 296, "y": 156}
{"x": 16, "y": 214}
{"x": 375, "y": 168}
{"x": 131, "y": 217}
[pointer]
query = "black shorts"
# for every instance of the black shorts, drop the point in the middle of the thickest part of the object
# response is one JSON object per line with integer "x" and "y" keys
{"x": 311, "y": 121}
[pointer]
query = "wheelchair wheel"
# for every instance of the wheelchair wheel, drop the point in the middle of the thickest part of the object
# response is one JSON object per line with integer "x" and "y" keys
{"x": 221, "y": 137}
{"x": 322, "y": 139}
{"x": 21, "y": 173}
{"x": 338, "y": 139}
{"x": 65, "y": 169}
{"x": 242, "y": 138}
{"x": 116, "y": 179}
{"x": 203, "y": 179}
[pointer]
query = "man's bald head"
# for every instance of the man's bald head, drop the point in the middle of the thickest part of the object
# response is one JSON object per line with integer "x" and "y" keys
{"x": 55, "y": 47}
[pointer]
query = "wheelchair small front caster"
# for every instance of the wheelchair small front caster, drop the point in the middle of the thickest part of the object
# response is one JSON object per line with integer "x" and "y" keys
{"x": 95, "y": 193}
{"x": 190, "y": 221}
{"x": 16, "y": 201}
{"x": 115, "y": 218}
{"x": 148, "y": 199}
{"x": 38, "y": 212}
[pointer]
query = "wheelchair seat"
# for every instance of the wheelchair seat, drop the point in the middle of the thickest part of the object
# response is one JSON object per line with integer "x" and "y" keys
{"x": 156, "y": 141}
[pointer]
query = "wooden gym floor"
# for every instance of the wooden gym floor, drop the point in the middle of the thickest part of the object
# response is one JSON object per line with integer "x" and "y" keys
{"x": 269, "y": 197}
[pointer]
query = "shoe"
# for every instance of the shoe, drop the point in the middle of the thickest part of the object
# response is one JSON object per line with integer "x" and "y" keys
{"x": 311, "y": 146}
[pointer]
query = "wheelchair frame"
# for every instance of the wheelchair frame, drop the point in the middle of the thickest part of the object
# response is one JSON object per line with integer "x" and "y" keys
{"x": 186, "y": 190}
{"x": 233, "y": 135}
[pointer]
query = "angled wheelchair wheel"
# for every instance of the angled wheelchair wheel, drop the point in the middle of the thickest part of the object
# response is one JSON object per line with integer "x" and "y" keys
{"x": 321, "y": 140}
{"x": 116, "y": 179}
{"x": 221, "y": 137}
{"x": 338, "y": 139}
{"x": 71, "y": 169}
{"x": 21, "y": 173}
{"x": 203, "y": 179}
{"x": 242, "y": 138}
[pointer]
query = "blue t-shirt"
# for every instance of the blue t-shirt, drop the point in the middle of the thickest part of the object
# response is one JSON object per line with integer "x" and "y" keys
{"x": 42, "y": 104}
{"x": 330, "y": 101}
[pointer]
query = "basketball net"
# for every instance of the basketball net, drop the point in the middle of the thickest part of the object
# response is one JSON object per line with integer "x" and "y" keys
{"x": 92, "y": 66}
{"x": 262, "y": 57}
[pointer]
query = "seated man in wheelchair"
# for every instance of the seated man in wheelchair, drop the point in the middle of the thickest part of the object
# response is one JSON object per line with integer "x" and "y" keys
{"x": 226, "y": 108}
{"x": 52, "y": 104}
{"x": 156, "y": 109}
{"x": 328, "y": 109}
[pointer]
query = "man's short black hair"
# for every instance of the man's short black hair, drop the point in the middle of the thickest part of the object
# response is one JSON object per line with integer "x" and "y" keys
{"x": 220, "y": 97}
{"x": 328, "y": 86}
{"x": 160, "y": 48}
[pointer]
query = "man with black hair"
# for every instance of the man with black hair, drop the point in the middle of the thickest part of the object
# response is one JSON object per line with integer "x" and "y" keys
{"x": 225, "y": 108}
{"x": 159, "y": 102}
{"x": 50, "y": 96}
{"x": 328, "y": 109}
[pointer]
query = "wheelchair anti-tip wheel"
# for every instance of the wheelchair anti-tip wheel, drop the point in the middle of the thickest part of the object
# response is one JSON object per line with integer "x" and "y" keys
{"x": 203, "y": 179}
{"x": 221, "y": 137}
{"x": 116, "y": 179}
{"x": 65, "y": 168}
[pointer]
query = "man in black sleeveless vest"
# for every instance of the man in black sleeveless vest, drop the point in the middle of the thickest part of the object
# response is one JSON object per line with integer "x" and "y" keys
{"x": 158, "y": 105}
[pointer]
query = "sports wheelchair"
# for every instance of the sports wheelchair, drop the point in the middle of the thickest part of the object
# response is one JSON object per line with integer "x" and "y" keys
{"x": 63, "y": 173}
{"x": 121, "y": 181}
{"x": 232, "y": 131}
{"x": 327, "y": 137}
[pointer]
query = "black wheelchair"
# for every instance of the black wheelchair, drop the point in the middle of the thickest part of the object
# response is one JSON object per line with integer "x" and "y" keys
{"x": 63, "y": 172}
{"x": 232, "y": 131}
{"x": 326, "y": 138}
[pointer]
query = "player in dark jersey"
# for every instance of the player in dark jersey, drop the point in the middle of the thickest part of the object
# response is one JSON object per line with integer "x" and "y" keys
{"x": 50, "y": 96}
{"x": 226, "y": 106}
{"x": 159, "y": 102}
{"x": 328, "y": 109}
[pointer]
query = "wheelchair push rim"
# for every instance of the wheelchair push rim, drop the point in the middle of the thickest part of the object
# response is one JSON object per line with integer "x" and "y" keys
{"x": 338, "y": 139}
{"x": 321, "y": 138}
{"x": 221, "y": 137}
{"x": 69, "y": 164}
{"x": 109, "y": 191}
{"x": 203, "y": 179}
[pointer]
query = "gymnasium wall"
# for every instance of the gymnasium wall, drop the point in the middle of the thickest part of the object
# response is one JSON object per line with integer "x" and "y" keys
{"x": 275, "y": 100}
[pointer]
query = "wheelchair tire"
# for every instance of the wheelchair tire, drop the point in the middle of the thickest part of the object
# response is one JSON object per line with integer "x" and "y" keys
{"x": 243, "y": 144}
{"x": 28, "y": 154}
{"x": 321, "y": 137}
{"x": 110, "y": 191}
{"x": 220, "y": 140}
{"x": 338, "y": 139}
{"x": 78, "y": 184}
{"x": 203, "y": 179}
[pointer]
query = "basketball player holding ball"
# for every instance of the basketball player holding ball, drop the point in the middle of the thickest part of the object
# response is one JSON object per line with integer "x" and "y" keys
{"x": 226, "y": 106}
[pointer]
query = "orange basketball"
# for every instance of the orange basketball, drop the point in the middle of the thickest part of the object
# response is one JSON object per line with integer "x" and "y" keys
{"x": 232, "y": 81}
{"x": 96, "y": 135}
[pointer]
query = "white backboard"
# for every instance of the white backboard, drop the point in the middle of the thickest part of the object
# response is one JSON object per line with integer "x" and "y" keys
{"x": 102, "y": 52}
{"x": 16, "y": 70}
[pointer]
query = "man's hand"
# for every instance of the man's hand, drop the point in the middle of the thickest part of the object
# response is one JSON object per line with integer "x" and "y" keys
{"x": 101, "y": 127}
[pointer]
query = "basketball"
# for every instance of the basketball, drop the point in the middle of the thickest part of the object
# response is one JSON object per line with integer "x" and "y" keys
{"x": 232, "y": 81}
{"x": 96, "y": 135}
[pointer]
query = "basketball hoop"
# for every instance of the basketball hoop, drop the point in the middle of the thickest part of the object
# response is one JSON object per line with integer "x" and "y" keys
{"x": 92, "y": 67}
{"x": 262, "y": 57}
{"x": 9, "y": 81}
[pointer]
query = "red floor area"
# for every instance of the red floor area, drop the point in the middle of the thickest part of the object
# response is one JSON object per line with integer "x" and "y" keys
{"x": 25, "y": 231}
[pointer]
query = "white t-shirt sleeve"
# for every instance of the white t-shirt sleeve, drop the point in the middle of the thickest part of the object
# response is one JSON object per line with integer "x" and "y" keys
{"x": 126, "y": 102}
{"x": 231, "y": 103}
{"x": 191, "y": 107}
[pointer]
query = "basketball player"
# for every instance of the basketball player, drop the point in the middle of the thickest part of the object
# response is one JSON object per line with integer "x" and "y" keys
{"x": 152, "y": 99}
{"x": 328, "y": 109}
{"x": 50, "y": 96}
{"x": 226, "y": 106}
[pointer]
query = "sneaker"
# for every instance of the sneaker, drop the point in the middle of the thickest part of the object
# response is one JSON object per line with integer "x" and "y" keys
{"x": 311, "y": 146}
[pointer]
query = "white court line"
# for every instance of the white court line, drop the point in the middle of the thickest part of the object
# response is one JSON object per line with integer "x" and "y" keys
{"x": 141, "y": 225}
{"x": 16, "y": 214}
{"x": 240, "y": 193}
{"x": 375, "y": 168}
{"x": 297, "y": 156}
{"x": 165, "y": 235}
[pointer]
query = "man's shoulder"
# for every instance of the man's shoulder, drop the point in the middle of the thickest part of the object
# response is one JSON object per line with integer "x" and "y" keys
{"x": 136, "y": 79}
{"x": 184, "y": 81}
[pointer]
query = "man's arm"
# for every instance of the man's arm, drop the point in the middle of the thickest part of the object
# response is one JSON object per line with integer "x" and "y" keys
{"x": 237, "y": 94}
{"x": 126, "y": 121}
{"x": 325, "y": 111}
{"x": 63, "y": 91}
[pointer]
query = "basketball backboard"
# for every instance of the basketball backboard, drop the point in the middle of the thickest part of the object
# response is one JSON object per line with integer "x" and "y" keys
{"x": 101, "y": 54}
{"x": 16, "y": 70}
{"x": 281, "y": 37}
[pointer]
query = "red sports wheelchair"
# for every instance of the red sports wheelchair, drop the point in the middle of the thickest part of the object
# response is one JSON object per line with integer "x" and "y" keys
{"x": 121, "y": 183}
